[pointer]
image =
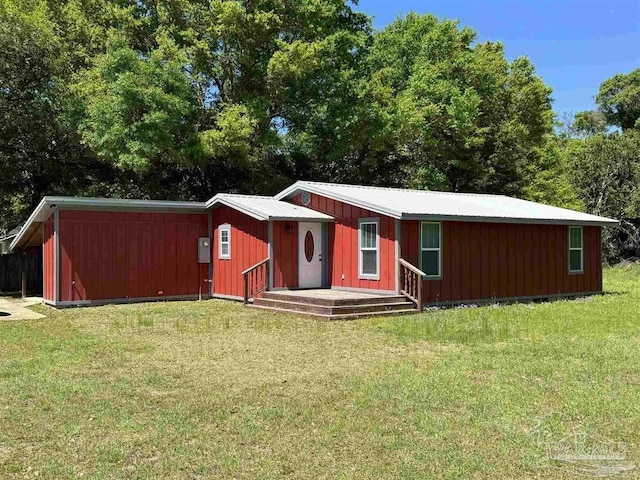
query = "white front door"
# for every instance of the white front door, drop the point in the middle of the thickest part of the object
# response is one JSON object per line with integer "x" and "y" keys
{"x": 309, "y": 255}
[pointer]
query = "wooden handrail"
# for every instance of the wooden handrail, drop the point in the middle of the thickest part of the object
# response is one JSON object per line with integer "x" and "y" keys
{"x": 410, "y": 282}
{"x": 255, "y": 266}
{"x": 411, "y": 267}
{"x": 256, "y": 279}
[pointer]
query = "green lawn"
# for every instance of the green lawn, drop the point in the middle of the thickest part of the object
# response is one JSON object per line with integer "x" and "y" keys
{"x": 211, "y": 389}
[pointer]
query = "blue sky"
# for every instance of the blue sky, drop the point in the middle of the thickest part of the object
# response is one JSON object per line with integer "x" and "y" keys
{"x": 575, "y": 45}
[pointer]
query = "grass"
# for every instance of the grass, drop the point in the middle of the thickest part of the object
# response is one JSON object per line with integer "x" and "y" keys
{"x": 211, "y": 389}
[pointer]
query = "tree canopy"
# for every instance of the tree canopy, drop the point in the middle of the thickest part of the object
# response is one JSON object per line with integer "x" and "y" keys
{"x": 619, "y": 100}
{"x": 180, "y": 99}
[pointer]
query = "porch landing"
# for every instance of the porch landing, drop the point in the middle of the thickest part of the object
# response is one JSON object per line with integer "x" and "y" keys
{"x": 332, "y": 304}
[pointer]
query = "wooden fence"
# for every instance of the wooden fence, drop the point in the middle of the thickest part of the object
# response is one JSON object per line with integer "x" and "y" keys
{"x": 11, "y": 266}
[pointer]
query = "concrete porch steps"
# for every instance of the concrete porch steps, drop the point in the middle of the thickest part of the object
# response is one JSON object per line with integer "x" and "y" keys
{"x": 334, "y": 304}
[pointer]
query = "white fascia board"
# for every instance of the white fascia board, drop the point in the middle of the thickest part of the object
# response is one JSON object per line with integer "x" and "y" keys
{"x": 301, "y": 219}
{"x": 123, "y": 204}
{"x": 242, "y": 209}
{"x": 38, "y": 212}
{"x": 532, "y": 221}
{"x": 312, "y": 188}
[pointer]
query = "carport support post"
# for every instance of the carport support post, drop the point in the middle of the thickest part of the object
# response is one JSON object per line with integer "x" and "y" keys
{"x": 270, "y": 246}
{"x": 23, "y": 272}
{"x": 56, "y": 255}
{"x": 398, "y": 253}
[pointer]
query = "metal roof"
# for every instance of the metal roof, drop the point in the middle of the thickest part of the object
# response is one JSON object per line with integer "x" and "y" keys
{"x": 266, "y": 208}
{"x": 31, "y": 234}
{"x": 417, "y": 204}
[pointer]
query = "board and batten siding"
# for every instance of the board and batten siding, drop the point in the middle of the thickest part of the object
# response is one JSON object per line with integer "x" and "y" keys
{"x": 48, "y": 260}
{"x": 343, "y": 244}
{"x": 249, "y": 245}
{"x": 484, "y": 261}
{"x": 128, "y": 255}
{"x": 285, "y": 254}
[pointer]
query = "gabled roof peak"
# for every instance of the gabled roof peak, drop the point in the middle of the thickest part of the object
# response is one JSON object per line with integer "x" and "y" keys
{"x": 397, "y": 189}
{"x": 427, "y": 204}
{"x": 266, "y": 208}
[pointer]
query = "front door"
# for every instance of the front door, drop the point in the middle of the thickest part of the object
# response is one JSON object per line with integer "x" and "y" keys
{"x": 309, "y": 255}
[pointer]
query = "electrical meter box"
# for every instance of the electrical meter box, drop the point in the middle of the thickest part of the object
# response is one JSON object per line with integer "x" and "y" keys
{"x": 204, "y": 250}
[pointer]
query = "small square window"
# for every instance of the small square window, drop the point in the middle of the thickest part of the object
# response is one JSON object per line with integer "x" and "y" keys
{"x": 224, "y": 241}
{"x": 576, "y": 250}
{"x": 368, "y": 245}
{"x": 430, "y": 248}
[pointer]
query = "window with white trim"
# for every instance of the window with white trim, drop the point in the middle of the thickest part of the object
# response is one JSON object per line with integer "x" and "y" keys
{"x": 368, "y": 245}
{"x": 576, "y": 253}
{"x": 431, "y": 248}
{"x": 224, "y": 241}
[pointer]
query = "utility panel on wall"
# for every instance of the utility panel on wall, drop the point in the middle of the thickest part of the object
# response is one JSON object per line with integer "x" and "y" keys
{"x": 204, "y": 250}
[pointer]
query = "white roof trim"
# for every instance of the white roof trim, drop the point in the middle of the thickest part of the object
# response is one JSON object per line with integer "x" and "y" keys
{"x": 266, "y": 208}
{"x": 222, "y": 199}
{"x": 7, "y": 237}
{"x": 313, "y": 187}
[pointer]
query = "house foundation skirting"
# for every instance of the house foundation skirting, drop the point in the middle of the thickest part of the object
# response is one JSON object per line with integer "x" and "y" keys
{"x": 108, "y": 301}
{"x": 523, "y": 299}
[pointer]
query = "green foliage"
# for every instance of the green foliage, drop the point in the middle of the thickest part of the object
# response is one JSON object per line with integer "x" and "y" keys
{"x": 232, "y": 136}
{"x": 181, "y": 99}
{"x": 551, "y": 181}
{"x": 619, "y": 100}
{"x": 454, "y": 110}
{"x": 589, "y": 123}
{"x": 606, "y": 171}
{"x": 138, "y": 109}
{"x": 606, "y": 175}
{"x": 39, "y": 154}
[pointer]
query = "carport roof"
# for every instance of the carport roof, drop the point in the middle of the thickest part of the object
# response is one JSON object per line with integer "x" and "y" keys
{"x": 31, "y": 232}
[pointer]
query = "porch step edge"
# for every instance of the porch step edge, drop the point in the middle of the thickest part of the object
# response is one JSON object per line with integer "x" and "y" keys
{"x": 333, "y": 309}
{"x": 340, "y": 316}
{"x": 282, "y": 295}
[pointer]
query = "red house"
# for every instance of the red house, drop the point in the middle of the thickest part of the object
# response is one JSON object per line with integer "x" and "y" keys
{"x": 326, "y": 249}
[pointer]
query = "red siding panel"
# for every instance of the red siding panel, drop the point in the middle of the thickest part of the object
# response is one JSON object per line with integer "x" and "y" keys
{"x": 494, "y": 261}
{"x": 484, "y": 279}
{"x": 249, "y": 245}
{"x": 446, "y": 263}
{"x": 114, "y": 255}
{"x": 484, "y": 261}
{"x": 48, "y": 260}
{"x": 475, "y": 235}
{"x": 343, "y": 243}
{"x": 285, "y": 254}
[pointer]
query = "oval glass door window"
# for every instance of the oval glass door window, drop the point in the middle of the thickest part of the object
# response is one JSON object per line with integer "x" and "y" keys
{"x": 308, "y": 246}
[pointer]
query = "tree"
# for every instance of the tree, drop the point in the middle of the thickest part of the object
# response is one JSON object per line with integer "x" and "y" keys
{"x": 589, "y": 123}
{"x": 551, "y": 180}
{"x": 452, "y": 114}
{"x": 265, "y": 82}
{"x": 180, "y": 99}
{"x": 619, "y": 100}
{"x": 135, "y": 110}
{"x": 39, "y": 154}
{"x": 606, "y": 174}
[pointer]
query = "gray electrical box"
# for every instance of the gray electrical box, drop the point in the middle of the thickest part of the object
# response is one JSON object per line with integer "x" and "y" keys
{"x": 204, "y": 250}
